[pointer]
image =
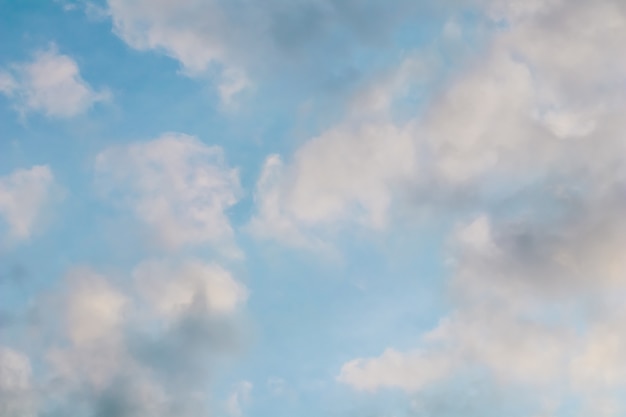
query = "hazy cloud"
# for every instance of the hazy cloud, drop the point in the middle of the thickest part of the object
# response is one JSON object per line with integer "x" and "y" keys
{"x": 24, "y": 194}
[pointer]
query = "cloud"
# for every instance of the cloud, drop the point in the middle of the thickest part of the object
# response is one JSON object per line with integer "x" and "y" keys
{"x": 23, "y": 195}
{"x": 535, "y": 306}
{"x": 51, "y": 84}
{"x": 176, "y": 185}
{"x": 111, "y": 356}
{"x": 94, "y": 308}
{"x": 7, "y": 83}
{"x": 410, "y": 372}
{"x": 510, "y": 120}
{"x": 533, "y": 129}
{"x": 171, "y": 289}
{"x": 232, "y": 83}
{"x": 197, "y": 33}
{"x": 16, "y": 396}
{"x": 344, "y": 175}
{"x": 309, "y": 39}
{"x": 239, "y": 397}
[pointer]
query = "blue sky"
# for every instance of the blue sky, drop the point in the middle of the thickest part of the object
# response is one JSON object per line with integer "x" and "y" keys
{"x": 313, "y": 207}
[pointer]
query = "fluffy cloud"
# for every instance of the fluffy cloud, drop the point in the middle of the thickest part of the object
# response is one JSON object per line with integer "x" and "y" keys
{"x": 410, "y": 372}
{"x": 51, "y": 84}
{"x": 535, "y": 127}
{"x": 255, "y": 38}
{"x": 176, "y": 185}
{"x": 529, "y": 110}
{"x": 522, "y": 293}
{"x": 346, "y": 174}
{"x": 171, "y": 289}
{"x": 93, "y": 319}
{"x": 23, "y": 195}
{"x": 94, "y": 308}
{"x": 16, "y": 396}
{"x": 112, "y": 356}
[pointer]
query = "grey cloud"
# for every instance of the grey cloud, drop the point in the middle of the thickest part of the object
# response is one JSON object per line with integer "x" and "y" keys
{"x": 186, "y": 350}
{"x": 304, "y": 44}
{"x": 107, "y": 355}
{"x": 532, "y": 135}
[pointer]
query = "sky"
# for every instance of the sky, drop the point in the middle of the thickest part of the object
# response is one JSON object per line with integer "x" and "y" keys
{"x": 346, "y": 208}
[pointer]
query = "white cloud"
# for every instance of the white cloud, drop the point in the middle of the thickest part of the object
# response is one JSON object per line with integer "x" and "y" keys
{"x": 94, "y": 309}
{"x": 23, "y": 195}
{"x": 211, "y": 37}
{"x": 411, "y": 371}
{"x": 173, "y": 289}
{"x": 238, "y": 398}
{"x": 176, "y": 185}
{"x": 15, "y": 372}
{"x": 523, "y": 291}
{"x": 16, "y": 397}
{"x": 112, "y": 353}
{"x": 347, "y": 174}
{"x": 174, "y": 27}
{"x": 535, "y": 288}
{"x": 194, "y": 33}
{"x": 51, "y": 84}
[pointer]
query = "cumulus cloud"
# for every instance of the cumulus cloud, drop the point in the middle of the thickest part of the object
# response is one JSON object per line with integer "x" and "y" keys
{"x": 176, "y": 185}
{"x": 50, "y": 84}
{"x": 94, "y": 308}
{"x": 522, "y": 292}
{"x": 111, "y": 356}
{"x": 24, "y": 195}
{"x": 346, "y": 174}
{"x": 534, "y": 126}
{"x": 250, "y": 40}
{"x": 170, "y": 289}
{"x": 527, "y": 111}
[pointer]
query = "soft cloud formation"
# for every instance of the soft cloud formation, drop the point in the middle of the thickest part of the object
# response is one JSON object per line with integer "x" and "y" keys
{"x": 172, "y": 289}
{"x": 239, "y": 397}
{"x": 176, "y": 185}
{"x": 16, "y": 395}
{"x": 410, "y": 372}
{"x": 522, "y": 292}
{"x": 529, "y": 136}
{"x": 94, "y": 308}
{"x": 510, "y": 117}
{"x": 24, "y": 194}
{"x": 346, "y": 174}
{"x": 93, "y": 320}
{"x": 51, "y": 84}
{"x": 535, "y": 126}
{"x": 112, "y": 356}
{"x": 250, "y": 40}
